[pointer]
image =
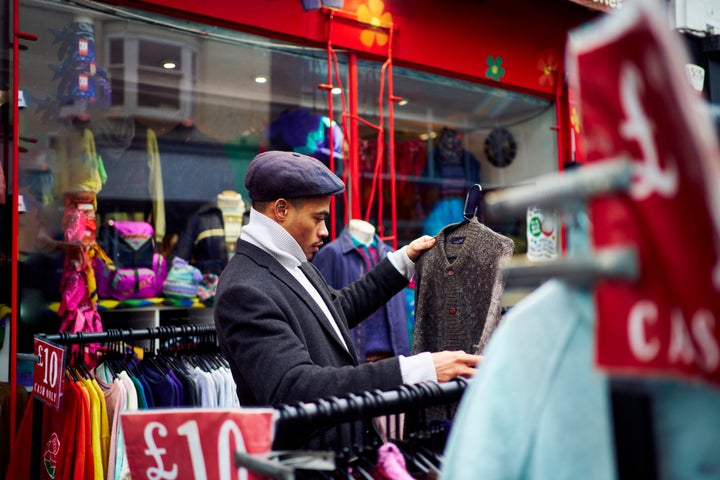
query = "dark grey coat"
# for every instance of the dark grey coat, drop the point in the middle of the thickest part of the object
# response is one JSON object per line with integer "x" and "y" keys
{"x": 280, "y": 346}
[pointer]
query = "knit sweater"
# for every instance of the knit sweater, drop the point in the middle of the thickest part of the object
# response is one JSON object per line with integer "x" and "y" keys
{"x": 459, "y": 289}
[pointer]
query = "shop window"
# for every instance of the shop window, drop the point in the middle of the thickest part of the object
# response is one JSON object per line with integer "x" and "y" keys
{"x": 229, "y": 96}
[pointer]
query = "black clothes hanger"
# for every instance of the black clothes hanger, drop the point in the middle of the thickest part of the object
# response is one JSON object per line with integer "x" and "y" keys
{"x": 455, "y": 233}
{"x": 417, "y": 447}
{"x": 358, "y": 458}
{"x": 474, "y": 203}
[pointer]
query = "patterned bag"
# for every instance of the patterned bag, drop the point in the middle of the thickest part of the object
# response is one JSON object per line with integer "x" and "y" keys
{"x": 129, "y": 244}
{"x": 135, "y": 270}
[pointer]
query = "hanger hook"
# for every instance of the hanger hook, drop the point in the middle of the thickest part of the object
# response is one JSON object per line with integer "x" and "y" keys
{"x": 473, "y": 200}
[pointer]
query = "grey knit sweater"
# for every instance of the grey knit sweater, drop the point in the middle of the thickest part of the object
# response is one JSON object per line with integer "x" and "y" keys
{"x": 459, "y": 288}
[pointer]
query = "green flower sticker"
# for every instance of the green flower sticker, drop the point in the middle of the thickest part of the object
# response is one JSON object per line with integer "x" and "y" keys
{"x": 495, "y": 70}
{"x": 535, "y": 226}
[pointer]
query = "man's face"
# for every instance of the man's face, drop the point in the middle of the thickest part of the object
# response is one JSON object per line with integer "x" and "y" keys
{"x": 306, "y": 223}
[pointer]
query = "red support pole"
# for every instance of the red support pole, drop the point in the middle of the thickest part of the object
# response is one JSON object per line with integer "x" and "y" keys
{"x": 331, "y": 151}
{"x": 15, "y": 254}
{"x": 391, "y": 145}
{"x": 354, "y": 140}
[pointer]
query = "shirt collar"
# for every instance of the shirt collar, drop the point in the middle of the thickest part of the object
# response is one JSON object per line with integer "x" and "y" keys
{"x": 271, "y": 237}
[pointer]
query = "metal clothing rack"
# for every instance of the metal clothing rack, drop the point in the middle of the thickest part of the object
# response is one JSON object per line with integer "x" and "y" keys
{"x": 568, "y": 191}
{"x": 296, "y": 464}
{"x": 371, "y": 403}
{"x": 110, "y": 335}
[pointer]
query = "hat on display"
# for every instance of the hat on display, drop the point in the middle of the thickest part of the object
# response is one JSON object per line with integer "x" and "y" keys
{"x": 279, "y": 174}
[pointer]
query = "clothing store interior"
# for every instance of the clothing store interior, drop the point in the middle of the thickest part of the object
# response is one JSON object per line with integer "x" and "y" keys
{"x": 590, "y": 290}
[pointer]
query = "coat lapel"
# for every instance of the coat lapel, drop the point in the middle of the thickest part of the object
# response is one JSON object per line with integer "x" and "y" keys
{"x": 320, "y": 285}
{"x": 261, "y": 257}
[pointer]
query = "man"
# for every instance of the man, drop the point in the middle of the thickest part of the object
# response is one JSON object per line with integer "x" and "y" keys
{"x": 284, "y": 330}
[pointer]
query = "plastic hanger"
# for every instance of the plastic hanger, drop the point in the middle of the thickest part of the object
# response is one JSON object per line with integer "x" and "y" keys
{"x": 473, "y": 203}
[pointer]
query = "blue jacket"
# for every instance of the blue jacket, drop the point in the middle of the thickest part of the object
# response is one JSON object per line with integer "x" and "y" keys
{"x": 341, "y": 264}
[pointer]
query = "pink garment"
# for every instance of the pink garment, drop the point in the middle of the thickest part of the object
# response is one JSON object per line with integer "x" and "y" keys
{"x": 75, "y": 226}
{"x": 77, "y": 311}
{"x": 391, "y": 463}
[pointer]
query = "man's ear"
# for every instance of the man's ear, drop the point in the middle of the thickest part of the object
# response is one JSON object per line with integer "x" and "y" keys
{"x": 280, "y": 209}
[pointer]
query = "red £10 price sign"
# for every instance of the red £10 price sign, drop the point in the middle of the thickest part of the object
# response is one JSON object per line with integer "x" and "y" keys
{"x": 48, "y": 372}
{"x": 199, "y": 443}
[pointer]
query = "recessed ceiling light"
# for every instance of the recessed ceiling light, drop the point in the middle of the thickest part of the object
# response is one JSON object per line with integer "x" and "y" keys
{"x": 260, "y": 79}
{"x": 336, "y": 90}
{"x": 169, "y": 65}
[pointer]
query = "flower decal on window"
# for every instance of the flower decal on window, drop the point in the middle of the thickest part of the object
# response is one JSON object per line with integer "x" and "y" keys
{"x": 575, "y": 120}
{"x": 495, "y": 70}
{"x": 548, "y": 66}
{"x": 372, "y": 14}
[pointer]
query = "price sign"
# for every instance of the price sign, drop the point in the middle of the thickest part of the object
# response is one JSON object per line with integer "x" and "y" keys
{"x": 637, "y": 102}
{"x": 197, "y": 443}
{"x": 48, "y": 372}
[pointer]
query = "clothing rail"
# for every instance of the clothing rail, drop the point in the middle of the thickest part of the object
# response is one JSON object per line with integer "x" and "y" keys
{"x": 569, "y": 191}
{"x": 110, "y": 335}
{"x": 371, "y": 403}
{"x": 607, "y": 263}
{"x": 152, "y": 333}
{"x": 302, "y": 464}
{"x": 560, "y": 190}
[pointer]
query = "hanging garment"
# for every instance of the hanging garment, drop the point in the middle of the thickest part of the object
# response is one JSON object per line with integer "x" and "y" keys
{"x": 115, "y": 395}
{"x": 65, "y": 440}
{"x": 305, "y": 132}
{"x": 202, "y": 240}
{"x": 391, "y": 463}
{"x": 341, "y": 262}
{"x": 80, "y": 168}
{"x": 21, "y": 403}
{"x": 444, "y": 212}
{"x": 122, "y": 469}
{"x": 155, "y": 185}
{"x": 457, "y": 168}
{"x": 538, "y": 408}
{"x": 458, "y": 288}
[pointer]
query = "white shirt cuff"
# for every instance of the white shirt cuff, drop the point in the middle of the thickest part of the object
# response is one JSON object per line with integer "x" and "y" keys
{"x": 402, "y": 263}
{"x": 417, "y": 368}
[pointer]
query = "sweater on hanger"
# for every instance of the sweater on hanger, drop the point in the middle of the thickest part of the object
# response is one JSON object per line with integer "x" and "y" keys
{"x": 459, "y": 289}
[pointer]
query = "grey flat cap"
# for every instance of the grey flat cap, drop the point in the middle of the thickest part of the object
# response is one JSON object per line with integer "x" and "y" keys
{"x": 278, "y": 174}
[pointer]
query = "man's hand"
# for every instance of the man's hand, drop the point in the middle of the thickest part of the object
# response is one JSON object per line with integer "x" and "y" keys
{"x": 451, "y": 364}
{"x": 419, "y": 245}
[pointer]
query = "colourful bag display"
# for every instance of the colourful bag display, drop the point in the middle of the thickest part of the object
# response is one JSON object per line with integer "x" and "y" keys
{"x": 127, "y": 283}
{"x": 136, "y": 271}
{"x": 129, "y": 244}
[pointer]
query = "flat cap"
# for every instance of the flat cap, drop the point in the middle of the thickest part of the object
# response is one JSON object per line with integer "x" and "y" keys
{"x": 278, "y": 174}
